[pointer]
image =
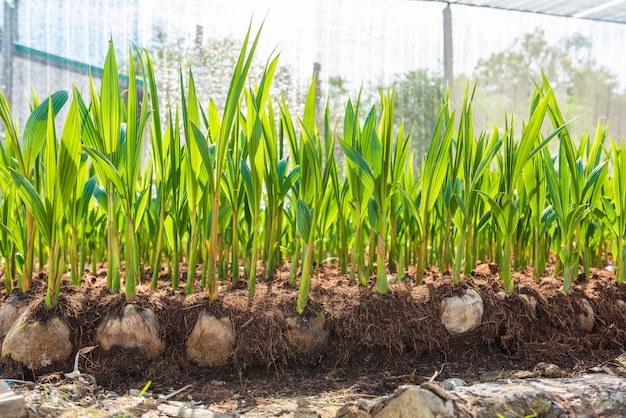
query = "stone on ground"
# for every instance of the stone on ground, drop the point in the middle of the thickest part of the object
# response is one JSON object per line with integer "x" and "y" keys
{"x": 590, "y": 395}
{"x": 11, "y": 404}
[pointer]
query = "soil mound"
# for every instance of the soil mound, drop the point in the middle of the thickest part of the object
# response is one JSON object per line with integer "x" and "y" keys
{"x": 358, "y": 336}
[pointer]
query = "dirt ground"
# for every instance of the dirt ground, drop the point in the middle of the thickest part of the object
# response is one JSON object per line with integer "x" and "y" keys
{"x": 375, "y": 342}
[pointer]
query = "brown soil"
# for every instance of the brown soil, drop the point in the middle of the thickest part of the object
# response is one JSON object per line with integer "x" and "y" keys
{"x": 375, "y": 342}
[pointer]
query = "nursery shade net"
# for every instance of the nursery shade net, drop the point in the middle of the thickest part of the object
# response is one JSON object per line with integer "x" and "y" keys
{"x": 606, "y": 11}
{"x": 357, "y": 44}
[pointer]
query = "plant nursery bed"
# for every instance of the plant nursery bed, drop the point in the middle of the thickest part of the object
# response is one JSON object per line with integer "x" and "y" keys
{"x": 351, "y": 342}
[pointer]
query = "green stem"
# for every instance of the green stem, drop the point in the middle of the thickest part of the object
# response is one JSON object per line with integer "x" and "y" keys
{"x": 253, "y": 257}
{"x": 132, "y": 262}
{"x": 305, "y": 279}
{"x": 458, "y": 264}
{"x": 156, "y": 260}
{"x": 50, "y": 299}
{"x": 343, "y": 245}
{"x": 30, "y": 251}
{"x": 214, "y": 247}
{"x": 235, "y": 249}
{"x": 83, "y": 252}
{"x": 381, "y": 270}
{"x": 75, "y": 273}
{"x": 372, "y": 251}
{"x": 191, "y": 254}
{"x": 175, "y": 260}
{"x": 620, "y": 261}
{"x": 113, "y": 265}
{"x": 505, "y": 271}
{"x": 421, "y": 259}
{"x": 294, "y": 261}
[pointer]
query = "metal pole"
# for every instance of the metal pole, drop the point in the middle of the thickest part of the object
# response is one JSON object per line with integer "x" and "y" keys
{"x": 7, "y": 47}
{"x": 447, "y": 48}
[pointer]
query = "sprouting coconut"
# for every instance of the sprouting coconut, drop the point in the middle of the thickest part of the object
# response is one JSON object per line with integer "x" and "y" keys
{"x": 307, "y": 335}
{"x": 36, "y": 343}
{"x": 586, "y": 319}
{"x": 212, "y": 341}
{"x": 137, "y": 328}
{"x": 462, "y": 314}
{"x": 15, "y": 306}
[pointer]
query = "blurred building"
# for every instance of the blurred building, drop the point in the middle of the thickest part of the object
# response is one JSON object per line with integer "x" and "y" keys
{"x": 53, "y": 44}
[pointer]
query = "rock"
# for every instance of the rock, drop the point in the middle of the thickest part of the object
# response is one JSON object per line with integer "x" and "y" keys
{"x": 590, "y": 395}
{"x": 462, "y": 314}
{"x": 11, "y": 404}
{"x": 136, "y": 328}
{"x": 212, "y": 341}
{"x": 413, "y": 399}
{"x": 351, "y": 411}
{"x": 453, "y": 383}
{"x": 531, "y": 303}
{"x": 307, "y": 335}
{"x": 542, "y": 369}
{"x": 37, "y": 344}
{"x": 586, "y": 320}
{"x": 183, "y": 411}
{"x": 11, "y": 310}
{"x": 621, "y": 305}
{"x": 549, "y": 370}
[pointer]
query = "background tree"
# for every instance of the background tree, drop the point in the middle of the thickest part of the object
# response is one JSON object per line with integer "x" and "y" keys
{"x": 587, "y": 90}
{"x": 419, "y": 95}
{"x": 212, "y": 61}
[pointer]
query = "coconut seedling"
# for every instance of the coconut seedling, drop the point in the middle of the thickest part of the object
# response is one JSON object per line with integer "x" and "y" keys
{"x": 534, "y": 189}
{"x": 573, "y": 191}
{"x": 76, "y": 212}
{"x": 308, "y": 205}
{"x": 357, "y": 141}
{"x": 115, "y": 151}
{"x": 176, "y": 208}
{"x": 615, "y": 208}
{"x": 315, "y": 172}
{"x": 592, "y": 152}
{"x": 290, "y": 210}
{"x": 504, "y": 211}
{"x": 48, "y": 209}
{"x": 191, "y": 171}
{"x": 233, "y": 190}
{"x": 474, "y": 156}
{"x": 25, "y": 154}
{"x": 279, "y": 178}
{"x": 159, "y": 145}
{"x": 10, "y": 244}
{"x": 251, "y": 179}
{"x": 252, "y": 171}
{"x": 214, "y": 161}
{"x": 375, "y": 175}
{"x": 398, "y": 166}
{"x": 435, "y": 168}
